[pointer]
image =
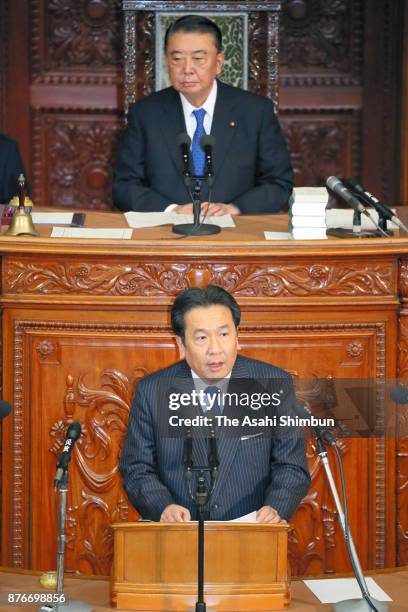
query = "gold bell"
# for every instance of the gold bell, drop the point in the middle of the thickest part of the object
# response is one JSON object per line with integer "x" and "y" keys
{"x": 21, "y": 222}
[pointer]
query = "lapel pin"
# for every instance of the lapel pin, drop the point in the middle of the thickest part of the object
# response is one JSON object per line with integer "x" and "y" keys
{"x": 232, "y": 124}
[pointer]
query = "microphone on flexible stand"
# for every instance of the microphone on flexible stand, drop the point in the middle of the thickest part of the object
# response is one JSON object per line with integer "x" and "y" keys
{"x": 183, "y": 140}
{"x": 207, "y": 143}
{"x": 213, "y": 460}
{"x": 193, "y": 184}
{"x": 322, "y": 435}
{"x": 383, "y": 210}
{"x": 337, "y": 186}
{"x": 73, "y": 433}
{"x": 188, "y": 456}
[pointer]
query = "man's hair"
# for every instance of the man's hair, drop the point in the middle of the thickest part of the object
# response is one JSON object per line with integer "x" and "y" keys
{"x": 195, "y": 23}
{"x": 212, "y": 295}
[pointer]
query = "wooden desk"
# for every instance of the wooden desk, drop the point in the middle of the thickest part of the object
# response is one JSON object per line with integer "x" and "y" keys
{"x": 83, "y": 320}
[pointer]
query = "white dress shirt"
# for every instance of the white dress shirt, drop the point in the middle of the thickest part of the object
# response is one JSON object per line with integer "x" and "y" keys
{"x": 191, "y": 122}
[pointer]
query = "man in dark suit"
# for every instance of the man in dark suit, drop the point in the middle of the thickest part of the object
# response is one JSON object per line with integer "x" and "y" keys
{"x": 252, "y": 168}
{"x": 11, "y": 167}
{"x": 264, "y": 471}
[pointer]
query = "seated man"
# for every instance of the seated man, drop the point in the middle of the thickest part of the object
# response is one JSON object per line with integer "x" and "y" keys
{"x": 11, "y": 167}
{"x": 252, "y": 169}
{"x": 266, "y": 473}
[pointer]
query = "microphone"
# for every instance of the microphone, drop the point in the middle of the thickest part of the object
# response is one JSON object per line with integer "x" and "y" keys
{"x": 73, "y": 433}
{"x": 5, "y": 409}
{"x": 399, "y": 394}
{"x": 188, "y": 455}
{"x": 368, "y": 198}
{"x": 183, "y": 141}
{"x": 213, "y": 461}
{"x": 305, "y": 413}
{"x": 337, "y": 186}
{"x": 207, "y": 143}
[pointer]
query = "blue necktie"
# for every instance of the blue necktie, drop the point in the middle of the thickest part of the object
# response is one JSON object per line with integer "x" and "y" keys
{"x": 210, "y": 392}
{"x": 196, "y": 151}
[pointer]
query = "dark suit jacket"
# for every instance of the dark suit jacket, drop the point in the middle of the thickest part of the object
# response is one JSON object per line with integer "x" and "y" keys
{"x": 11, "y": 167}
{"x": 260, "y": 470}
{"x": 251, "y": 162}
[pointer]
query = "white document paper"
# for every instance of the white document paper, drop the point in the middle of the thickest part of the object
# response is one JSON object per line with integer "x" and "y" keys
{"x": 87, "y": 232}
{"x": 247, "y": 518}
{"x": 140, "y": 219}
{"x": 338, "y": 589}
{"x": 53, "y": 218}
{"x": 310, "y": 194}
{"x": 278, "y": 235}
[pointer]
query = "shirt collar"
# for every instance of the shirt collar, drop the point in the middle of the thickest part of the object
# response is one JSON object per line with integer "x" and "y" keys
{"x": 208, "y": 105}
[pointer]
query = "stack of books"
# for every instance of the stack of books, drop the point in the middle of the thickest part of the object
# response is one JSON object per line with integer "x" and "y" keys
{"x": 307, "y": 217}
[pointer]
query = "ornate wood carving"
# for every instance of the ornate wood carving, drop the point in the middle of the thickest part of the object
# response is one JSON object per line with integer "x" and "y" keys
{"x": 403, "y": 278}
{"x": 96, "y": 497}
{"x": 70, "y": 36}
{"x": 402, "y": 426}
{"x": 334, "y": 132}
{"x": 321, "y": 43}
{"x": 77, "y": 154}
{"x": 26, "y": 275}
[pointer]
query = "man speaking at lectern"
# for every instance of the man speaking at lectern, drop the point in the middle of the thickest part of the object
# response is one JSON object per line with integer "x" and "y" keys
{"x": 252, "y": 169}
{"x": 266, "y": 473}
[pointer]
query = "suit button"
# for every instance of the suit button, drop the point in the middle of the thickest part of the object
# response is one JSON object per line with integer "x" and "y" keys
{"x": 214, "y": 507}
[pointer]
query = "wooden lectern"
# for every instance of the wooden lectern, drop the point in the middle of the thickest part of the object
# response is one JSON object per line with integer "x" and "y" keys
{"x": 155, "y": 567}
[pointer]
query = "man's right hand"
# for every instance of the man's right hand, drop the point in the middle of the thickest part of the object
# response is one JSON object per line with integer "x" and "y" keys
{"x": 175, "y": 514}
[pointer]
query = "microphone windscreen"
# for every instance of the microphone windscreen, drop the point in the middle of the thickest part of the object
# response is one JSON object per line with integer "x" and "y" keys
{"x": 183, "y": 139}
{"x": 333, "y": 183}
{"x": 399, "y": 394}
{"x": 207, "y": 141}
{"x": 74, "y": 430}
{"x": 5, "y": 409}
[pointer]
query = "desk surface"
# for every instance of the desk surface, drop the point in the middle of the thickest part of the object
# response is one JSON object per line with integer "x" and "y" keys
{"x": 246, "y": 237}
{"x": 95, "y": 592}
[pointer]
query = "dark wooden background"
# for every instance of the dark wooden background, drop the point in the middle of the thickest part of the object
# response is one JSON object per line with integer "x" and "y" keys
{"x": 341, "y": 93}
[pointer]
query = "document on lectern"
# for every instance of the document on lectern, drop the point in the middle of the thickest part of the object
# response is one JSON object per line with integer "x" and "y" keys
{"x": 247, "y": 518}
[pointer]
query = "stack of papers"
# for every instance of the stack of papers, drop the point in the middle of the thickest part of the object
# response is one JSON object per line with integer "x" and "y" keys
{"x": 308, "y": 212}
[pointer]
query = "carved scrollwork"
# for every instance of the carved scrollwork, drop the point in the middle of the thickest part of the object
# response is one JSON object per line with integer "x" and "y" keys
{"x": 314, "y": 36}
{"x": 154, "y": 279}
{"x": 355, "y": 349}
{"x": 81, "y": 34}
{"x": 103, "y": 414}
{"x": 307, "y": 132}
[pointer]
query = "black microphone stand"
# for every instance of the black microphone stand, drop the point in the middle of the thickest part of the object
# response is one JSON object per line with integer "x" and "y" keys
{"x": 193, "y": 183}
{"x": 63, "y": 605}
{"x": 201, "y": 499}
{"x": 368, "y": 603}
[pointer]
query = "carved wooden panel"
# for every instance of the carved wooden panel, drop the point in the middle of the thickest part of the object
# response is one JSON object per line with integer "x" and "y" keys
{"x": 81, "y": 38}
{"x": 321, "y": 43}
{"x": 334, "y": 132}
{"x": 402, "y": 440}
{"x": 73, "y": 158}
{"x": 71, "y": 370}
{"x": 56, "y": 276}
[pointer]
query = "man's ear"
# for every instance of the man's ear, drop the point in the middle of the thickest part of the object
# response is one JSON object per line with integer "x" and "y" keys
{"x": 181, "y": 347}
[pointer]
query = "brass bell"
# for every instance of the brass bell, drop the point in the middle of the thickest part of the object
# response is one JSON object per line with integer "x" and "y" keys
{"x": 21, "y": 223}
